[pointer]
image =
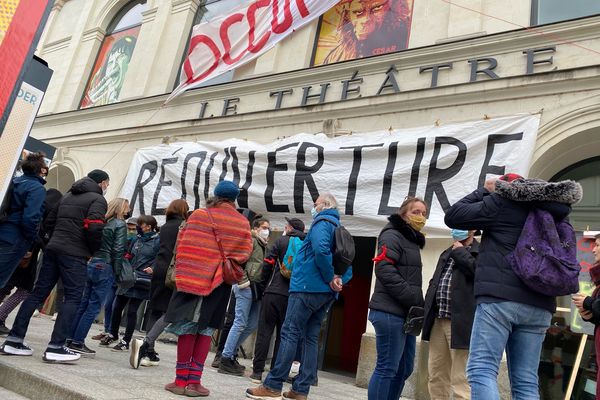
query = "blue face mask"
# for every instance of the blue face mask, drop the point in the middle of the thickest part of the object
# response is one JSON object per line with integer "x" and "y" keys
{"x": 314, "y": 212}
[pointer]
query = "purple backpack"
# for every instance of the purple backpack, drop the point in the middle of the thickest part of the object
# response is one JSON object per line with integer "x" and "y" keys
{"x": 545, "y": 257}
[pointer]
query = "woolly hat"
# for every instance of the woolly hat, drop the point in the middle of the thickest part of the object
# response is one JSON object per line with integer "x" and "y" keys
{"x": 296, "y": 223}
{"x": 227, "y": 190}
{"x": 459, "y": 235}
{"x": 98, "y": 176}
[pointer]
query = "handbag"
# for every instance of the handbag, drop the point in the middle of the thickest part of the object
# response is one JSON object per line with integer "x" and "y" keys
{"x": 232, "y": 271}
{"x": 126, "y": 275}
{"x": 170, "y": 277}
{"x": 414, "y": 321}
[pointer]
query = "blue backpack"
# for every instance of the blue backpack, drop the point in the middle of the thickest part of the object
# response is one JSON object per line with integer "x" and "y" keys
{"x": 286, "y": 267}
{"x": 545, "y": 257}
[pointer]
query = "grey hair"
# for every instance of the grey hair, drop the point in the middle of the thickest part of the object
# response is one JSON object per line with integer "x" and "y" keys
{"x": 328, "y": 201}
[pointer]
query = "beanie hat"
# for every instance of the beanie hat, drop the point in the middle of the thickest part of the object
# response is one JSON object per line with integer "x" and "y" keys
{"x": 98, "y": 176}
{"x": 510, "y": 177}
{"x": 296, "y": 223}
{"x": 227, "y": 190}
{"x": 459, "y": 235}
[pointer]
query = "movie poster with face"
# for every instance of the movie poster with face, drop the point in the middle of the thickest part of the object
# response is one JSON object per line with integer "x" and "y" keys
{"x": 110, "y": 69}
{"x": 362, "y": 28}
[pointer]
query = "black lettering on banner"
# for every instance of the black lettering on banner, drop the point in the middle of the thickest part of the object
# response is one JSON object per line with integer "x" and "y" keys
{"x": 321, "y": 95}
{"x": 346, "y": 89}
{"x": 437, "y": 175}
{"x": 304, "y": 175}
{"x": 492, "y": 64}
{"x": 494, "y": 140}
{"x": 162, "y": 183}
{"x": 243, "y": 198}
{"x": 531, "y": 61}
{"x": 209, "y": 168}
{"x": 230, "y": 105}
{"x": 384, "y": 204}
{"x": 353, "y": 180}
{"x": 416, "y": 168}
{"x": 201, "y": 155}
{"x": 280, "y": 94}
{"x": 203, "y": 109}
{"x": 152, "y": 167}
{"x": 224, "y": 164}
{"x": 273, "y": 167}
{"x": 435, "y": 70}
{"x": 390, "y": 81}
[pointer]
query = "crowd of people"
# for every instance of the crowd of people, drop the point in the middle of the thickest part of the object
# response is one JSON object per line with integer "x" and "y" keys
{"x": 215, "y": 269}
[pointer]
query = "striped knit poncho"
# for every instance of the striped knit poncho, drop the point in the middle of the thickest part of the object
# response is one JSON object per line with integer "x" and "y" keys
{"x": 198, "y": 266}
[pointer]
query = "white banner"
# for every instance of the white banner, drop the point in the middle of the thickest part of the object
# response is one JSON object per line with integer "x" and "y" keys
{"x": 370, "y": 174}
{"x": 230, "y": 40}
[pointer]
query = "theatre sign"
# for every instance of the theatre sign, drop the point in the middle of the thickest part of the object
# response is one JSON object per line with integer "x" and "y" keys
{"x": 391, "y": 81}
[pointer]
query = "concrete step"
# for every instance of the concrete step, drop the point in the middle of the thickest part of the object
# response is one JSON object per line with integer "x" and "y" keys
{"x": 8, "y": 395}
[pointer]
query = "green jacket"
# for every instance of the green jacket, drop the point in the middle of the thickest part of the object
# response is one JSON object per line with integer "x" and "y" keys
{"x": 114, "y": 243}
{"x": 253, "y": 271}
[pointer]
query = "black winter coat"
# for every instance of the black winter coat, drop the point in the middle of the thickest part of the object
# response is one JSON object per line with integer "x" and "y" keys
{"x": 502, "y": 221}
{"x": 271, "y": 279}
{"x": 159, "y": 293}
{"x": 398, "y": 269}
{"x": 462, "y": 299}
{"x": 66, "y": 222}
{"x": 143, "y": 251}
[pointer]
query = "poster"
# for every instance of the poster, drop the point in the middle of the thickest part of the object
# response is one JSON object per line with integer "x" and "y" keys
{"x": 370, "y": 174}
{"x": 585, "y": 245}
{"x": 110, "y": 69}
{"x": 362, "y": 28}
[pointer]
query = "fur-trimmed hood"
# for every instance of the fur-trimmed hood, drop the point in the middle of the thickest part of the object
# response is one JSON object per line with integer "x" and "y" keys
{"x": 397, "y": 223}
{"x": 566, "y": 192}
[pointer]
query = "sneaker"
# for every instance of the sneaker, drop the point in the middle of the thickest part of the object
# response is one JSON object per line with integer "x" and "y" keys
{"x": 173, "y": 388}
{"x": 36, "y": 313}
{"x": 196, "y": 390}
{"x": 62, "y": 355}
{"x": 295, "y": 369}
{"x": 139, "y": 348}
{"x": 256, "y": 377}
{"x": 216, "y": 362}
{"x": 81, "y": 349}
{"x": 121, "y": 346}
{"x": 237, "y": 364}
{"x": 16, "y": 349}
{"x": 3, "y": 329}
{"x": 100, "y": 336}
{"x": 229, "y": 367}
{"x": 107, "y": 340}
{"x": 151, "y": 360}
{"x": 291, "y": 395}
{"x": 262, "y": 393}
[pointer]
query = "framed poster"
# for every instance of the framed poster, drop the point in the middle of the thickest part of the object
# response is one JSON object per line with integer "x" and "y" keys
{"x": 362, "y": 28}
{"x": 110, "y": 68}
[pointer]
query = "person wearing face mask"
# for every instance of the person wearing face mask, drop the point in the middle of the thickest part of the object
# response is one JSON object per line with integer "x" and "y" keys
{"x": 142, "y": 256}
{"x": 75, "y": 229}
{"x": 398, "y": 272}
{"x": 24, "y": 214}
{"x": 101, "y": 274}
{"x": 247, "y": 300}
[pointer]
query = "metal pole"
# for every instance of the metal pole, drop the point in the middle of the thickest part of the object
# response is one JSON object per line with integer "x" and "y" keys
{"x": 576, "y": 367}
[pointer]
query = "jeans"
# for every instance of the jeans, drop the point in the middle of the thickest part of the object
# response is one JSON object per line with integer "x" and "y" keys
{"x": 245, "y": 322}
{"x": 303, "y": 318}
{"x": 12, "y": 254}
{"x": 99, "y": 279}
{"x": 132, "y": 308}
{"x": 395, "y": 356}
{"x": 518, "y": 328}
{"x": 72, "y": 272}
{"x": 109, "y": 301}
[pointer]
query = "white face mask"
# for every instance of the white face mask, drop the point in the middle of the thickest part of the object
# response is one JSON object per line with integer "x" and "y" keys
{"x": 264, "y": 233}
{"x": 314, "y": 212}
{"x": 104, "y": 190}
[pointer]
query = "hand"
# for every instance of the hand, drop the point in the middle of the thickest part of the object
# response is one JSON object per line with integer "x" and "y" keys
{"x": 336, "y": 284}
{"x": 586, "y": 314}
{"x": 457, "y": 245}
{"x": 148, "y": 270}
{"x": 578, "y": 300}
{"x": 490, "y": 185}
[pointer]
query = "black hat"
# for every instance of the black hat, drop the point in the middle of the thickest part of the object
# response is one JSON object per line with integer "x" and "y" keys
{"x": 98, "y": 176}
{"x": 295, "y": 223}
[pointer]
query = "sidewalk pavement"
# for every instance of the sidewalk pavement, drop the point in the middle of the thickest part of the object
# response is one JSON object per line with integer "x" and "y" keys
{"x": 109, "y": 376}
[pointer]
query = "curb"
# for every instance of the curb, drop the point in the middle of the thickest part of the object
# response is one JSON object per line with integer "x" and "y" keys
{"x": 25, "y": 383}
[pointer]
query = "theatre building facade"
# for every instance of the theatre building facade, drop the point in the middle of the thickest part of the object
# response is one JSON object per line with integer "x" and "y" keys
{"x": 364, "y": 66}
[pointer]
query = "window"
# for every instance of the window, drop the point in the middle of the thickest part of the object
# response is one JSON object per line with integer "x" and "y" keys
{"x": 548, "y": 11}
{"x": 110, "y": 68}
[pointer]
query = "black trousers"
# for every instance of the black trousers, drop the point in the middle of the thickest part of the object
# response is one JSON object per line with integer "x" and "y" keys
{"x": 118, "y": 306}
{"x": 229, "y": 317}
{"x": 272, "y": 315}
